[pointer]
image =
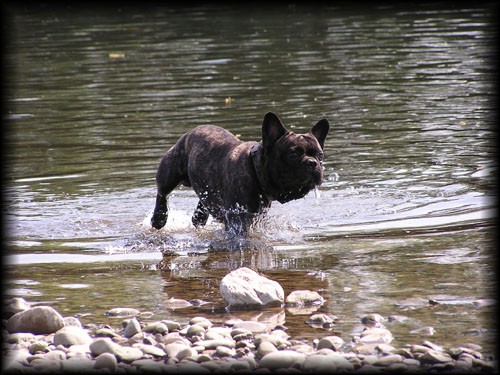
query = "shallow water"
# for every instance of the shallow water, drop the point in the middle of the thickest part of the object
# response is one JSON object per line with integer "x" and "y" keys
{"x": 406, "y": 209}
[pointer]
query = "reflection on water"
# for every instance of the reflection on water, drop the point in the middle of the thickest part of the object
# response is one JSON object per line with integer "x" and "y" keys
{"x": 405, "y": 211}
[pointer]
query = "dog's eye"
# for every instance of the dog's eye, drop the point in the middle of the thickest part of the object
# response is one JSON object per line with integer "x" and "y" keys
{"x": 294, "y": 154}
{"x": 321, "y": 156}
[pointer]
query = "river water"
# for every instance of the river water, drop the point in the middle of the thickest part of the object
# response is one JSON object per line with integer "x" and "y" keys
{"x": 406, "y": 211}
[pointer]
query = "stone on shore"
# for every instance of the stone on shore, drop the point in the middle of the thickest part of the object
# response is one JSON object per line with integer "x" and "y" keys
{"x": 38, "y": 320}
{"x": 103, "y": 345}
{"x": 71, "y": 335}
{"x": 13, "y": 306}
{"x": 106, "y": 361}
{"x": 282, "y": 359}
{"x": 330, "y": 342}
{"x": 245, "y": 287}
{"x": 133, "y": 327}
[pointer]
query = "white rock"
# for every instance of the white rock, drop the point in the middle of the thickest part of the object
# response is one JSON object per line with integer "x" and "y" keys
{"x": 244, "y": 286}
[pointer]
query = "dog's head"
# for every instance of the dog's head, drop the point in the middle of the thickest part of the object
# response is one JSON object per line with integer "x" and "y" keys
{"x": 292, "y": 163}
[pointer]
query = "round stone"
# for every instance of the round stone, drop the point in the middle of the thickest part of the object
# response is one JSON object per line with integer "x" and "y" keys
{"x": 330, "y": 342}
{"x": 304, "y": 298}
{"x": 133, "y": 327}
{"x": 122, "y": 312}
{"x": 71, "y": 335}
{"x": 266, "y": 347}
{"x": 106, "y": 361}
{"x": 282, "y": 359}
{"x": 39, "y": 320}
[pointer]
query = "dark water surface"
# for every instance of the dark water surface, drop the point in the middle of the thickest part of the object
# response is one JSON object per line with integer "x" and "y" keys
{"x": 405, "y": 214}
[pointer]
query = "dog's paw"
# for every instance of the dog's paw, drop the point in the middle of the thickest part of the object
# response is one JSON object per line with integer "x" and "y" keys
{"x": 159, "y": 220}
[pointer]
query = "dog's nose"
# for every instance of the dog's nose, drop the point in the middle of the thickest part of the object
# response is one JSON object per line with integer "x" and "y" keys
{"x": 312, "y": 163}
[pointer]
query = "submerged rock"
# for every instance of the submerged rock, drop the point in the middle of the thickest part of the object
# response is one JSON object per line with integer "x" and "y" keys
{"x": 304, "y": 298}
{"x": 245, "y": 287}
{"x": 121, "y": 312}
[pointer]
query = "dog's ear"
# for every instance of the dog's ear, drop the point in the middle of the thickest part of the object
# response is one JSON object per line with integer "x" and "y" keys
{"x": 320, "y": 130}
{"x": 272, "y": 129}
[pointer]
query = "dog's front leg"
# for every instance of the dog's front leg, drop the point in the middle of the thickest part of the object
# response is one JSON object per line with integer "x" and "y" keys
{"x": 160, "y": 213}
{"x": 171, "y": 173}
{"x": 200, "y": 215}
{"x": 237, "y": 222}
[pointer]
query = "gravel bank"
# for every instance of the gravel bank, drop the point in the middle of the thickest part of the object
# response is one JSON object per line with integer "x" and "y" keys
{"x": 39, "y": 340}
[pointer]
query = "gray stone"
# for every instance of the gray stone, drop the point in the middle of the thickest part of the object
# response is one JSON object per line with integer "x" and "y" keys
{"x": 177, "y": 303}
{"x": 324, "y": 363}
{"x": 156, "y": 327}
{"x": 304, "y": 298}
{"x": 202, "y": 321}
{"x": 13, "y": 306}
{"x": 373, "y": 319}
{"x": 128, "y": 354}
{"x": 39, "y": 347}
{"x": 122, "y": 312}
{"x": 218, "y": 332}
{"x": 46, "y": 365}
{"x": 103, "y": 345}
{"x": 321, "y": 320}
{"x": 80, "y": 350}
{"x": 22, "y": 338}
{"x": 171, "y": 325}
{"x": 282, "y": 359}
{"x": 387, "y": 360}
{"x": 224, "y": 351}
{"x": 38, "y": 320}
{"x": 77, "y": 365}
{"x": 276, "y": 340}
{"x": 244, "y": 286}
{"x": 55, "y": 355}
{"x": 133, "y": 327}
{"x": 72, "y": 321}
{"x": 175, "y": 347}
{"x": 106, "y": 361}
{"x": 71, "y": 335}
{"x": 150, "y": 349}
{"x": 251, "y": 325}
{"x": 212, "y": 344}
{"x": 186, "y": 353}
{"x": 330, "y": 342}
{"x": 376, "y": 335}
{"x": 266, "y": 347}
{"x": 196, "y": 330}
{"x": 434, "y": 357}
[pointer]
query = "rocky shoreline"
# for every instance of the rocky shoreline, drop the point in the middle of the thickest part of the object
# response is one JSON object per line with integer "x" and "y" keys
{"x": 37, "y": 339}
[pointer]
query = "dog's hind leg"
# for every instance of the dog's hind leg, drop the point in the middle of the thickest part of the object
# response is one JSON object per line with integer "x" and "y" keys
{"x": 168, "y": 177}
{"x": 200, "y": 215}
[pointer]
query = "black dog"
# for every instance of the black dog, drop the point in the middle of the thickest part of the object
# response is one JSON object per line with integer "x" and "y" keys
{"x": 236, "y": 181}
